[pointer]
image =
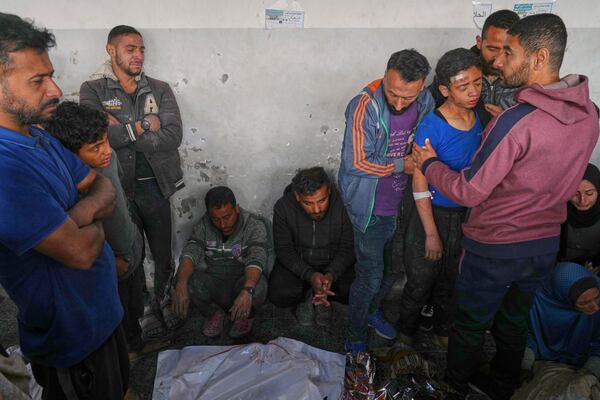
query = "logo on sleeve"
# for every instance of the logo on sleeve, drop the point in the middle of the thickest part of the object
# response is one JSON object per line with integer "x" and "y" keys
{"x": 150, "y": 106}
{"x": 112, "y": 104}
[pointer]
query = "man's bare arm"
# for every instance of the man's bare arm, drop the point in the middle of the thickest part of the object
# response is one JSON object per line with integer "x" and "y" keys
{"x": 98, "y": 203}
{"x": 79, "y": 240}
{"x": 181, "y": 297}
{"x": 73, "y": 246}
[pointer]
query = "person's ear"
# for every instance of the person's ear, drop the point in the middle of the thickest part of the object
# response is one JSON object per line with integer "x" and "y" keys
{"x": 541, "y": 59}
{"x": 478, "y": 41}
{"x": 110, "y": 49}
{"x": 444, "y": 90}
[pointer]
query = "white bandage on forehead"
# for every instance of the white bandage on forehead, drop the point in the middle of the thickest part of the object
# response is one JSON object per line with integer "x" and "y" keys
{"x": 459, "y": 79}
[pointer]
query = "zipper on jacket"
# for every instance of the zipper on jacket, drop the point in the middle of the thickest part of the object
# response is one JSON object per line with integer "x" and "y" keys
{"x": 387, "y": 143}
{"x": 314, "y": 237}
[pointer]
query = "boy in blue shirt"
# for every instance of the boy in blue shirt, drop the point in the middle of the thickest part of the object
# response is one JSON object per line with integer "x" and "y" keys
{"x": 433, "y": 235}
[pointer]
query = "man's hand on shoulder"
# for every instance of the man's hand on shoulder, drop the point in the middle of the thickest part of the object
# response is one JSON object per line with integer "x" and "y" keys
{"x": 422, "y": 154}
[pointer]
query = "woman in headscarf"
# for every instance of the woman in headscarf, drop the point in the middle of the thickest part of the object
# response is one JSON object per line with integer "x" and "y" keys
{"x": 580, "y": 237}
{"x": 563, "y": 349}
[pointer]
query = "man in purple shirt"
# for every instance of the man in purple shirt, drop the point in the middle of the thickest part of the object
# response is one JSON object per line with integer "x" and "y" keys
{"x": 380, "y": 122}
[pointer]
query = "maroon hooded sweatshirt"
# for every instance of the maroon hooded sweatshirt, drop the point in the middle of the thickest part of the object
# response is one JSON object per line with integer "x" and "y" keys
{"x": 530, "y": 162}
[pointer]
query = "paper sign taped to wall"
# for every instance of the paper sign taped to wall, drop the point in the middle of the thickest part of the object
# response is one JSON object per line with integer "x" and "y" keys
{"x": 276, "y": 18}
{"x": 481, "y": 10}
{"x": 526, "y": 9}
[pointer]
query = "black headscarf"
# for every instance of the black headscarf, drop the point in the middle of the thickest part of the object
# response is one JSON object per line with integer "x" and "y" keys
{"x": 583, "y": 219}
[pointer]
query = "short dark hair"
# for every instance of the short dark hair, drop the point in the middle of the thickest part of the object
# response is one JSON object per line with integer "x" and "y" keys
{"x": 121, "y": 30}
{"x": 308, "y": 181}
{"x": 542, "y": 31}
{"x": 503, "y": 19}
{"x": 75, "y": 125}
{"x": 218, "y": 197}
{"x": 454, "y": 61}
{"x": 17, "y": 34}
{"x": 411, "y": 65}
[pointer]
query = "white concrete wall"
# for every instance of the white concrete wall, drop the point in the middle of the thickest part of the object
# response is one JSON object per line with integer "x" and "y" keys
{"x": 259, "y": 104}
{"x": 239, "y": 14}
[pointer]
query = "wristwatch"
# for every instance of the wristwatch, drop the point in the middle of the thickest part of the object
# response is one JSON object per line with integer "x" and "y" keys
{"x": 250, "y": 290}
{"x": 145, "y": 124}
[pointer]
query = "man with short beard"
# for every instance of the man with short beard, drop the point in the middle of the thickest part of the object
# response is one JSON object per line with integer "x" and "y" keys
{"x": 374, "y": 168}
{"x": 54, "y": 262}
{"x": 145, "y": 131}
{"x": 314, "y": 244}
{"x": 529, "y": 164}
{"x": 495, "y": 95}
{"x": 489, "y": 46}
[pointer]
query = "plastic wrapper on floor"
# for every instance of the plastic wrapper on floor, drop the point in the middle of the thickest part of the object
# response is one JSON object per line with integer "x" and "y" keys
{"x": 359, "y": 377}
{"x": 392, "y": 373}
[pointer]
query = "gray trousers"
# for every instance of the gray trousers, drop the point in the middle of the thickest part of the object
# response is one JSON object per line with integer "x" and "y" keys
{"x": 211, "y": 291}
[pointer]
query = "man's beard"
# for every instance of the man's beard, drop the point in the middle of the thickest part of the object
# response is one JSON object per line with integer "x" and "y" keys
{"x": 125, "y": 68}
{"x": 519, "y": 77}
{"x": 488, "y": 69}
{"x": 22, "y": 113}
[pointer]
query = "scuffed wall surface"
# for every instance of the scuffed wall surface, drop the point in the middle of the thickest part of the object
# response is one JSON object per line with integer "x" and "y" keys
{"x": 257, "y": 105}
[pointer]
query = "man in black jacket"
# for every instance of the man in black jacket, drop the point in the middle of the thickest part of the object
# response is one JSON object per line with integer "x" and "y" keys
{"x": 314, "y": 245}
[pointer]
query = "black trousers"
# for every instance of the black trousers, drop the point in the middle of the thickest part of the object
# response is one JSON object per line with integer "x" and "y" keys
{"x": 151, "y": 212}
{"x": 286, "y": 289}
{"x": 430, "y": 280}
{"x": 131, "y": 293}
{"x": 103, "y": 375}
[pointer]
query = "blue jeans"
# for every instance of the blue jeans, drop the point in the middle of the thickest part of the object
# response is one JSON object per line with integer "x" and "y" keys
{"x": 371, "y": 283}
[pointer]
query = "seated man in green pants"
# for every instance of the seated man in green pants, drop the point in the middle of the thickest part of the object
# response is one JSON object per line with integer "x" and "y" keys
{"x": 224, "y": 264}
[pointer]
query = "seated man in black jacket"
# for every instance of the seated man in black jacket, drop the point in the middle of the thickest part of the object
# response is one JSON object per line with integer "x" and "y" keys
{"x": 314, "y": 245}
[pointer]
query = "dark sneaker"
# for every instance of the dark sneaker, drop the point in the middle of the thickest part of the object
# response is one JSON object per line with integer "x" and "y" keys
{"x": 426, "y": 320}
{"x": 241, "y": 328}
{"x": 381, "y": 326}
{"x": 305, "y": 311}
{"x": 213, "y": 326}
{"x": 323, "y": 315}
